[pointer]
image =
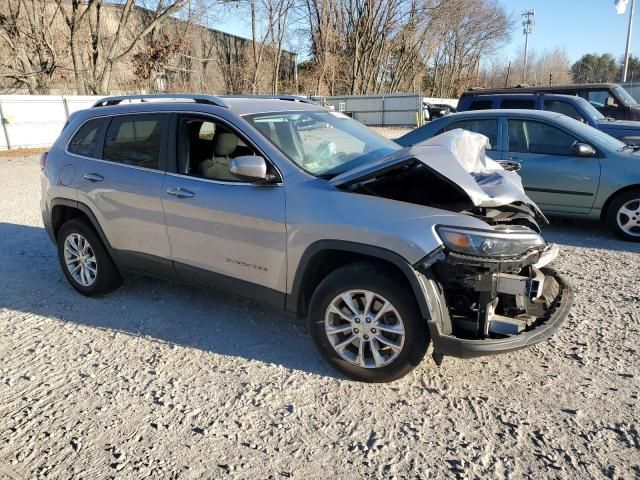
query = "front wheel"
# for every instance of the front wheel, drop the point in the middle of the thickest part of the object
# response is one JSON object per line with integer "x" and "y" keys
{"x": 623, "y": 215}
{"x": 367, "y": 324}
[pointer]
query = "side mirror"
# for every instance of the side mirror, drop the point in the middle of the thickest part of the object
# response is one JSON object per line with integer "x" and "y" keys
{"x": 611, "y": 102}
{"x": 583, "y": 150}
{"x": 249, "y": 167}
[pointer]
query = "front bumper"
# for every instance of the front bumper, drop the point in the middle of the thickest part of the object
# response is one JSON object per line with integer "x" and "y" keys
{"x": 449, "y": 345}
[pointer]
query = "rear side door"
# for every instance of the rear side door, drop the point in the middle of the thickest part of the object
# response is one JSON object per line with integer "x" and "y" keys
{"x": 556, "y": 179}
{"x": 122, "y": 183}
{"x": 224, "y": 232}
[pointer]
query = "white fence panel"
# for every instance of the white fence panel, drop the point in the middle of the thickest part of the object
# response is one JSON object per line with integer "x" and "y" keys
{"x": 392, "y": 110}
{"x": 31, "y": 121}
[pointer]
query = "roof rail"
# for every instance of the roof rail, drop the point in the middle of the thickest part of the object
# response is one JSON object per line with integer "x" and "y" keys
{"x": 290, "y": 98}
{"x": 197, "y": 98}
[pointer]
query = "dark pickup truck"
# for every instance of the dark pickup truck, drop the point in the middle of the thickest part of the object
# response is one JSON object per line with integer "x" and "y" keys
{"x": 572, "y": 106}
{"x": 610, "y": 99}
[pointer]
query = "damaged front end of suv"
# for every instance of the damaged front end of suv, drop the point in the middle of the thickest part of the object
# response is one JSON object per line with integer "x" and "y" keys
{"x": 491, "y": 291}
{"x": 488, "y": 285}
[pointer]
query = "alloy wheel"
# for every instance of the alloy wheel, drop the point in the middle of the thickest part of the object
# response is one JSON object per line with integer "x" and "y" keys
{"x": 628, "y": 217}
{"x": 364, "y": 328}
{"x": 80, "y": 259}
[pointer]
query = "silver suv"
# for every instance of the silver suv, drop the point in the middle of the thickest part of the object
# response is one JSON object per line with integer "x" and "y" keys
{"x": 280, "y": 200}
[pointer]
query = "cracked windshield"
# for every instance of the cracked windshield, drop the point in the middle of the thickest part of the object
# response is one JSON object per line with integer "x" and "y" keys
{"x": 324, "y": 144}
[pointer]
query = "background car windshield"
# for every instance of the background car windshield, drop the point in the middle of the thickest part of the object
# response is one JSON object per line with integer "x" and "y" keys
{"x": 591, "y": 110}
{"x": 624, "y": 96}
{"x": 589, "y": 133}
{"x": 322, "y": 143}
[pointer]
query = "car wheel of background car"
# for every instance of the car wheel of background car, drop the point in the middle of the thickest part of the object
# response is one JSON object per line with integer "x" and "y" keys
{"x": 85, "y": 261}
{"x": 623, "y": 215}
{"x": 367, "y": 324}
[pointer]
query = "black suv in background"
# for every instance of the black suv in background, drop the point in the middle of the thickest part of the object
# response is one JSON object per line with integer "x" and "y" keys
{"x": 610, "y": 99}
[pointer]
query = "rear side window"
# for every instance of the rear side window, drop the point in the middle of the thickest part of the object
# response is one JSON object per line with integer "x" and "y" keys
{"x": 135, "y": 140}
{"x": 487, "y": 127}
{"x": 518, "y": 103}
{"x": 563, "y": 108}
{"x": 481, "y": 105}
{"x": 86, "y": 141}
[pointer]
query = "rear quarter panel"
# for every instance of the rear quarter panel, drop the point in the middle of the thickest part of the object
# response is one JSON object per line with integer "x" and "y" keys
{"x": 60, "y": 175}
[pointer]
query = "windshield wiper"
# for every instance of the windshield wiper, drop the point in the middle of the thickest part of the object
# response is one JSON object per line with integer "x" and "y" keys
{"x": 631, "y": 146}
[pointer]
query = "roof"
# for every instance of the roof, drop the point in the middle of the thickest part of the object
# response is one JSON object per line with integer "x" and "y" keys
{"x": 248, "y": 105}
{"x": 539, "y": 88}
{"x": 541, "y": 114}
{"x": 240, "y": 105}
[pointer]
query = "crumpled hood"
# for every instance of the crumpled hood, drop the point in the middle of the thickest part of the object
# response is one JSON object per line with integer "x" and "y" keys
{"x": 459, "y": 156}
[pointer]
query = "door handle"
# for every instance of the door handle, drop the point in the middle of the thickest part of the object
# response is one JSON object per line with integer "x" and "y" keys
{"x": 93, "y": 177}
{"x": 181, "y": 193}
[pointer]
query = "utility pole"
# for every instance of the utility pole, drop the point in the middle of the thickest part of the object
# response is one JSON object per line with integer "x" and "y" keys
{"x": 528, "y": 21}
{"x": 626, "y": 51}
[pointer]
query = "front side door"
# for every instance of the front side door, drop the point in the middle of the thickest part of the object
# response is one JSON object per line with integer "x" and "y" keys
{"x": 224, "y": 232}
{"x": 556, "y": 179}
{"x": 121, "y": 183}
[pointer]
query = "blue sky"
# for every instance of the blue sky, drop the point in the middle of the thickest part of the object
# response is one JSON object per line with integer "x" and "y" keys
{"x": 578, "y": 26}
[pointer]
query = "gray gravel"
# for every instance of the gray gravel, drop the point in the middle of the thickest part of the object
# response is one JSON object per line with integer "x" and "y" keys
{"x": 165, "y": 381}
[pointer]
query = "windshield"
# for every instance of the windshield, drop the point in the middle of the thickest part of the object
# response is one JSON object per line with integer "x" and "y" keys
{"x": 624, "y": 96}
{"x": 590, "y": 134}
{"x": 590, "y": 109}
{"x": 324, "y": 144}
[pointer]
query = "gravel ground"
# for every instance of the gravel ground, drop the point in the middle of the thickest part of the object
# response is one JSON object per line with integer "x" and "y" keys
{"x": 165, "y": 381}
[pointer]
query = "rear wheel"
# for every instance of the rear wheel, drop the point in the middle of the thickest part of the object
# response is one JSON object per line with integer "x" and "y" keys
{"x": 623, "y": 215}
{"x": 367, "y": 324}
{"x": 85, "y": 261}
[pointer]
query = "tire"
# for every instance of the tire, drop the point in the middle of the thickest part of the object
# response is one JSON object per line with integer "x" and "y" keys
{"x": 95, "y": 258}
{"x": 623, "y": 215}
{"x": 354, "y": 281}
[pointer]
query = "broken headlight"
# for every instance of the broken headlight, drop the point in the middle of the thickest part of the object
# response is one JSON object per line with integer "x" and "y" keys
{"x": 490, "y": 243}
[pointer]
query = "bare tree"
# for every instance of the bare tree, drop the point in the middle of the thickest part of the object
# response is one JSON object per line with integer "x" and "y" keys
{"x": 94, "y": 60}
{"x": 470, "y": 29}
{"x": 32, "y": 53}
{"x": 543, "y": 68}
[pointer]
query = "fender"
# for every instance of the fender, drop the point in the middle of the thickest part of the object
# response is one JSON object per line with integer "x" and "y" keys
{"x": 294, "y": 298}
{"x": 92, "y": 218}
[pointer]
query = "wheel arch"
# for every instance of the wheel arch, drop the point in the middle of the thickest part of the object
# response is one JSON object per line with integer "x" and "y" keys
{"x": 63, "y": 209}
{"x": 325, "y": 256}
{"x": 605, "y": 207}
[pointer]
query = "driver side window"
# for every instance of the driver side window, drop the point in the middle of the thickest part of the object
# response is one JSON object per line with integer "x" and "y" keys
{"x": 601, "y": 99}
{"x": 206, "y": 148}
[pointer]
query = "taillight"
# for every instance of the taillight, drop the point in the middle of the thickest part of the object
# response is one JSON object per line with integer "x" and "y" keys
{"x": 43, "y": 160}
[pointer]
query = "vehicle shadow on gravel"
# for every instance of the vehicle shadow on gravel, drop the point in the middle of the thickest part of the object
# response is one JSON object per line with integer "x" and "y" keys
{"x": 587, "y": 234}
{"x": 31, "y": 282}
